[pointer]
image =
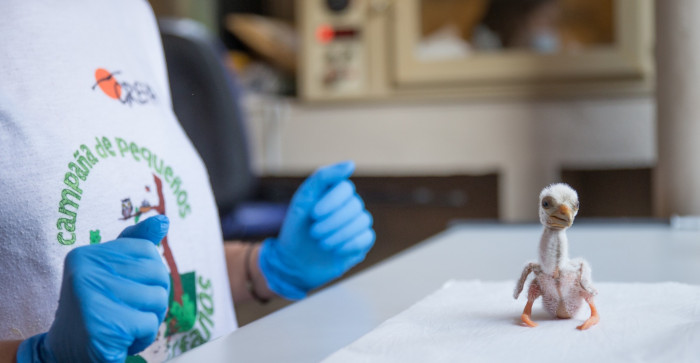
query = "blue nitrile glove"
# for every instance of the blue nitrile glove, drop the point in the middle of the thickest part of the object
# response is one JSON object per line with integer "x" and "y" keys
{"x": 114, "y": 296}
{"x": 326, "y": 231}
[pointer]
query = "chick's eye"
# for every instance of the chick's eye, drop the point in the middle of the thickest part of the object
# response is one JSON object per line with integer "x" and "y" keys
{"x": 545, "y": 204}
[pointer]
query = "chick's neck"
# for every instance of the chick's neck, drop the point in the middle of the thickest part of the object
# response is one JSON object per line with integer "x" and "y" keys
{"x": 554, "y": 250}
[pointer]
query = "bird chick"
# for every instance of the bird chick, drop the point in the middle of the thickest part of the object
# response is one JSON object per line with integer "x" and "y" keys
{"x": 563, "y": 283}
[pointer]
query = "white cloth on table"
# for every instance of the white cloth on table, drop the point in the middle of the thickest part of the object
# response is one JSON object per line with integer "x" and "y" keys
{"x": 473, "y": 321}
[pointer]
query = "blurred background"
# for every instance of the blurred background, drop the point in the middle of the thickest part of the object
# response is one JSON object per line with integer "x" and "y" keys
{"x": 454, "y": 110}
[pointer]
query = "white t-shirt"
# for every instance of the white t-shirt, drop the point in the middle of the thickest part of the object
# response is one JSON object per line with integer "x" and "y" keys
{"x": 89, "y": 145}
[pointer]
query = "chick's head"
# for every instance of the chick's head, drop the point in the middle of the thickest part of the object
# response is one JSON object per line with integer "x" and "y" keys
{"x": 558, "y": 206}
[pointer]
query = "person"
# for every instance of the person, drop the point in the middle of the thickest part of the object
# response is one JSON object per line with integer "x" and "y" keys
{"x": 109, "y": 238}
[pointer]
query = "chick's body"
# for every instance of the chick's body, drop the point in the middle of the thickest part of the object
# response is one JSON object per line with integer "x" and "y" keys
{"x": 561, "y": 296}
{"x": 563, "y": 283}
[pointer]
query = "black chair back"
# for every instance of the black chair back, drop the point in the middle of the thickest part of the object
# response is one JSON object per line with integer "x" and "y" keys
{"x": 207, "y": 103}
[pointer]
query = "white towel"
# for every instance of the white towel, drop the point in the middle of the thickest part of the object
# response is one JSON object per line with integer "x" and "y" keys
{"x": 472, "y": 321}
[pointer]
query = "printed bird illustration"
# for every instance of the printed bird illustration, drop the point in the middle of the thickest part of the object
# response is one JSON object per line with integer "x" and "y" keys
{"x": 563, "y": 283}
{"x": 127, "y": 208}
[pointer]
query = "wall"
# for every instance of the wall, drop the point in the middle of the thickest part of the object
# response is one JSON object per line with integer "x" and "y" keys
{"x": 527, "y": 142}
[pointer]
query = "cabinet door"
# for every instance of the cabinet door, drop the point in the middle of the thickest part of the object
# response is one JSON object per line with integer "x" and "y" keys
{"x": 523, "y": 46}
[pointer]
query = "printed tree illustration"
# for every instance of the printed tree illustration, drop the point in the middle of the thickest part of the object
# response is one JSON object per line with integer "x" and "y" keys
{"x": 182, "y": 314}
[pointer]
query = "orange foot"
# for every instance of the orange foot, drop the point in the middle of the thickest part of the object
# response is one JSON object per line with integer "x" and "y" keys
{"x": 593, "y": 320}
{"x": 526, "y": 319}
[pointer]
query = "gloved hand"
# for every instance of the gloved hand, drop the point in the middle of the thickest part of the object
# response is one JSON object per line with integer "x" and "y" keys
{"x": 113, "y": 298}
{"x": 326, "y": 231}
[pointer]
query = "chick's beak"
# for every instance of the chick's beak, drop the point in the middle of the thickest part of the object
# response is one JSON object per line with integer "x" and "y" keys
{"x": 563, "y": 217}
{"x": 564, "y": 210}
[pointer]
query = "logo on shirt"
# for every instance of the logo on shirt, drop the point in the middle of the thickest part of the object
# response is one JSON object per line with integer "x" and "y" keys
{"x": 190, "y": 320}
{"x": 127, "y": 93}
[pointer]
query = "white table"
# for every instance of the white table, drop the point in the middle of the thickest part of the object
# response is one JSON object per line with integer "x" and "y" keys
{"x": 312, "y": 329}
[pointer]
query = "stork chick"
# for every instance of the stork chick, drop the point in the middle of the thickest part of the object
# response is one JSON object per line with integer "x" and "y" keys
{"x": 563, "y": 283}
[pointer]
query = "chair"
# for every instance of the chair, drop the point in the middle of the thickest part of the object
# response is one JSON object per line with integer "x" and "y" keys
{"x": 206, "y": 101}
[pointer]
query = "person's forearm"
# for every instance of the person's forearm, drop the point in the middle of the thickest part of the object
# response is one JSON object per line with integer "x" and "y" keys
{"x": 8, "y": 350}
{"x": 236, "y": 253}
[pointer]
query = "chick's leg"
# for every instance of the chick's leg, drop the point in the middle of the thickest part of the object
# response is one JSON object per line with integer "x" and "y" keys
{"x": 527, "y": 313}
{"x": 532, "y": 294}
{"x": 593, "y": 320}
